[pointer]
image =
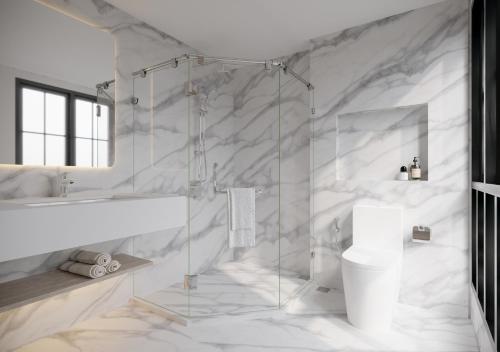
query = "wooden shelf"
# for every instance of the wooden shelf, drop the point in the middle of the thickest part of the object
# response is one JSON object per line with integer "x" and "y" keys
{"x": 17, "y": 293}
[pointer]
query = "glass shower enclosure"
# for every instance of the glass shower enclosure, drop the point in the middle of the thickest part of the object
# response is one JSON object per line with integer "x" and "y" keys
{"x": 202, "y": 125}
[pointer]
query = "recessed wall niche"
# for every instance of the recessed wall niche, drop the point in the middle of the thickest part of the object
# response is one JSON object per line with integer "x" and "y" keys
{"x": 374, "y": 144}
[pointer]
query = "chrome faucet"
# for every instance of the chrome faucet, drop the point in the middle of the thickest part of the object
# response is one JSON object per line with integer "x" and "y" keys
{"x": 64, "y": 183}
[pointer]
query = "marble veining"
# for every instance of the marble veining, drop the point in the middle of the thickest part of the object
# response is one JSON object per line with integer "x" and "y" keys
{"x": 232, "y": 288}
{"x": 419, "y": 57}
{"x": 137, "y": 45}
{"x": 372, "y": 145}
{"x": 133, "y": 329}
{"x": 258, "y": 131}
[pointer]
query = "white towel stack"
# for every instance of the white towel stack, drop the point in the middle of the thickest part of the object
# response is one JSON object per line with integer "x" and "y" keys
{"x": 90, "y": 264}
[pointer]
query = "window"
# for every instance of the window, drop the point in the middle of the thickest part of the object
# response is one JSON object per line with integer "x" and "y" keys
{"x": 91, "y": 133}
{"x": 485, "y": 149}
{"x": 58, "y": 127}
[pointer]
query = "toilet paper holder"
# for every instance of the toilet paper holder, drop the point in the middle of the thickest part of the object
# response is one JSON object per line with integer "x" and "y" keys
{"x": 421, "y": 234}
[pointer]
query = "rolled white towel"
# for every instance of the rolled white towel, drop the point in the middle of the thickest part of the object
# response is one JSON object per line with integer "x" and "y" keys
{"x": 92, "y": 271}
{"x": 89, "y": 257}
{"x": 113, "y": 266}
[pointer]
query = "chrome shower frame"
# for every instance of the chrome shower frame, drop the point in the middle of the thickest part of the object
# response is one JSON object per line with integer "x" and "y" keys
{"x": 201, "y": 59}
{"x": 174, "y": 62}
{"x": 198, "y": 184}
{"x": 101, "y": 89}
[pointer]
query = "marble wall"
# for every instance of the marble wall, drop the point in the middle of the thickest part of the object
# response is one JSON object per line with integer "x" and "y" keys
{"x": 415, "y": 58}
{"x": 273, "y": 154}
{"x": 372, "y": 145}
{"x": 136, "y": 45}
{"x": 418, "y": 57}
{"x": 155, "y": 143}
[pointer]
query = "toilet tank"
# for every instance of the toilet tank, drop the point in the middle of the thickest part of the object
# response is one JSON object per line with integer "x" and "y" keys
{"x": 378, "y": 227}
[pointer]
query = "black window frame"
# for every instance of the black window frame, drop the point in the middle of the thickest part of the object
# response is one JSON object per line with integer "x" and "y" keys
{"x": 71, "y": 97}
{"x": 485, "y": 163}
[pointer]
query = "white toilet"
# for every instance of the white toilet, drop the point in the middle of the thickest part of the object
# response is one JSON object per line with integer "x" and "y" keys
{"x": 371, "y": 267}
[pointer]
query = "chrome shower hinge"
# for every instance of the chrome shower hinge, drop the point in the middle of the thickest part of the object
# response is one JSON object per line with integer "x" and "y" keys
{"x": 190, "y": 89}
{"x": 190, "y": 282}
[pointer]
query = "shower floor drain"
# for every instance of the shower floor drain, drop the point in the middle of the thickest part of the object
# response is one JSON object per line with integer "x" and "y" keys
{"x": 323, "y": 289}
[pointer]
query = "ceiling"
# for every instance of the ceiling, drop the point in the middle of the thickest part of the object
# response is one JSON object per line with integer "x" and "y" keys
{"x": 259, "y": 29}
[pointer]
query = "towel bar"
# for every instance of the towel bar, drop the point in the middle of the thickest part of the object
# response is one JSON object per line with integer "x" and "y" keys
{"x": 258, "y": 190}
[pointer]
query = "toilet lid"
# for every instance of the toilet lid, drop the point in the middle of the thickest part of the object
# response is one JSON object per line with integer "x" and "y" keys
{"x": 370, "y": 259}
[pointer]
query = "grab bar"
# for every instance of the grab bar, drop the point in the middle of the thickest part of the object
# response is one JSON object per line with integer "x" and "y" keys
{"x": 258, "y": 190}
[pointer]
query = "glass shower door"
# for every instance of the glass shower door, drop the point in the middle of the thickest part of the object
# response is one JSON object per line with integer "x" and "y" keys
{"x": 295, "y": 131}
{"x": 161, "y": 166}
{"x": 235, "y": 109}
{"x": 204, "y": 124}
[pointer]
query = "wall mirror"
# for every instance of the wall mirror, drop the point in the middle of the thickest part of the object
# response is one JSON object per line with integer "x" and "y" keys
{"x": 56, "y": 89}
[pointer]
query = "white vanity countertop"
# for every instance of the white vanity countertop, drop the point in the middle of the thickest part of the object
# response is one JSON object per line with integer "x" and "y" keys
{"x": 32, "y": 226}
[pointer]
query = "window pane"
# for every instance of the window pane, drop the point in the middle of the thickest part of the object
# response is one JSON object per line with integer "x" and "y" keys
{"x": 94, "y": 152}
{"x": 480, "y": 248}
{"x": 83, "y": 153}
{"x": 101, "y": 153}
{"x": 32, "y": 109}
{"x": 83, "y": 117}
{"x": 55, "y": 150}
{"x": 55, "y": 114}
{"x": 101, "y": 122}
{"x": 32, "y": 149}
{"x": 489, "y": 254}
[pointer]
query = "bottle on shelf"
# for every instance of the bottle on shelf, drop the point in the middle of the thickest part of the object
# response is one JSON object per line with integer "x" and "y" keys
{"x": 403, "y": 174}
{"x": 415, "y": 170}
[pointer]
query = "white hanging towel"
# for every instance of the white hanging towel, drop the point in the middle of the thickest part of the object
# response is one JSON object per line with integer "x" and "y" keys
{"x": 241, "y": 217}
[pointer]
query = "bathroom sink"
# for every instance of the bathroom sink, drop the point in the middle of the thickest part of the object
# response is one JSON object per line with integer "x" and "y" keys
{"x": 64, "y": 202}
{"x": 74, "y": 199}
{"x": 48, "y": 201}
{"x": 55, "y": 223}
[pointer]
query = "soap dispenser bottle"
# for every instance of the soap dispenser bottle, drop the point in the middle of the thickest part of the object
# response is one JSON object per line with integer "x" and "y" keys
{"x": 403, "y": 174}
{"x": 415, "y": 170}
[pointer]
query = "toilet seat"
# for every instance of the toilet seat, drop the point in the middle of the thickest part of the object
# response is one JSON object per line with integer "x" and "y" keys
{"x": 368, "y": 259}
{"x": 371, "y": 286}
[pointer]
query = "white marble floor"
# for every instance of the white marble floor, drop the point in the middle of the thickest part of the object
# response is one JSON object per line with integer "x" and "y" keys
{"x": 232, "y": 288}
{"x": 132, "y": 328}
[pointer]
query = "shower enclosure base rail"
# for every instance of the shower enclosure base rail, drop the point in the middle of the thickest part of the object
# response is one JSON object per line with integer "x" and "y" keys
{"x": 188, "y": 321}
{"x": 161, "y": 311}
{"x": 234, "y": 300}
